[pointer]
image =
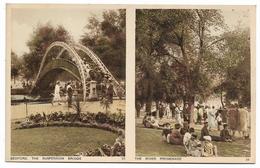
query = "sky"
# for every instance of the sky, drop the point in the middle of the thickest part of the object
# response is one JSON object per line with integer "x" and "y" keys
{"x": 74, "y": 19}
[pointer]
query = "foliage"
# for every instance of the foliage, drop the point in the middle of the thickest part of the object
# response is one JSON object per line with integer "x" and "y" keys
{"x": 174, "y": 46}
{"x": 107, "y": 39}
{"x": 234, "y": 66}
{"x": 41, "y": 38}
{"x": 105, "y": 103}
{"x": 16, "y": 65}
{"x": 104, "y": 150}
{"x": 111, "y": 119}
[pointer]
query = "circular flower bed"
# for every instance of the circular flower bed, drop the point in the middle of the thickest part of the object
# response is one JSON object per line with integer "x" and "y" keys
{"x": 114, "y": 122}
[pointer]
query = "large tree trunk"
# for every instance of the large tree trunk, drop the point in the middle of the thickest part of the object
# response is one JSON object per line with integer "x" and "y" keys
{"x": 138, "y": 107}
{"x": 191, "y": 101}
{"x": 221, "y": 98}
{"x": 148, "y": 106}
{"x": 157, "y": 108}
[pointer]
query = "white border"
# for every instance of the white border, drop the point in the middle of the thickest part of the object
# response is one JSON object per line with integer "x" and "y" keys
{"x": 65, "y": 165}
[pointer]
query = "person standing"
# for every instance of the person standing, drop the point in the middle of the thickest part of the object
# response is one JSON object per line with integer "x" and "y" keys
{"x": 110, "y": 91}
{"x": 233, "y": 119}
{"x": 211, "y": 117}
{"x": 219, "y": 120}
{"x": 167, "y": 110}
{"x": 178, "y": 115}
{"x": 172, "y": 107}
{"x": 56, "y": 97}
{"x": 243, "y": 116}
{"x": 186, "y": 113}
{"x": 70, "y": 94}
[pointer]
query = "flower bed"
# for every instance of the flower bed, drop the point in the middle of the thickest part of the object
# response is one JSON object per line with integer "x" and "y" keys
{"x": 114, "y": 122}
{"x": 107, "y": 121}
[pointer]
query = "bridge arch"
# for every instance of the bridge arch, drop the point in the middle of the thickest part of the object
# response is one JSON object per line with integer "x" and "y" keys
{"x": 80, "y": 68}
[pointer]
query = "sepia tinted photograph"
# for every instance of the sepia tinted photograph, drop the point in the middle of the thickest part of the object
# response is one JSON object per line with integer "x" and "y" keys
{"x": 67, "y": 80}
{"x": 193, "y": 82}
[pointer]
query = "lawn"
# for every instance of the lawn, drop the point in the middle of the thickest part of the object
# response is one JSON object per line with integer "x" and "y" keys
{"x": 149, "y": 142}
{"x": 57, "y": 141}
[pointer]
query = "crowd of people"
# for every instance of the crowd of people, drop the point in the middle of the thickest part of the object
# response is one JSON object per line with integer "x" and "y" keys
{"x": 71, "y": 89}
{"x": 224, "y": 123}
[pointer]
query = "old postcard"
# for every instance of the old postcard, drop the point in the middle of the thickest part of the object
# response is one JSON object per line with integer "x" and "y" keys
{"x": 130, "y": 83}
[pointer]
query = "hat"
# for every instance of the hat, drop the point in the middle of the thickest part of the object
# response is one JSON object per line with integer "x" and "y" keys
{"x": 177, "y": 126}
{"x": 207, "y": 138}
{"x": 194, "y": 135}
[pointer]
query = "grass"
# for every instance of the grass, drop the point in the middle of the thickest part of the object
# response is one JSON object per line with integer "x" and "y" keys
{"x": 149, "y": 142}
{"x": 57, "y": 141}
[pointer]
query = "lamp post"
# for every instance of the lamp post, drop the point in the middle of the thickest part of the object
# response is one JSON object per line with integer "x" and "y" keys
{"x": 25, "y": 100}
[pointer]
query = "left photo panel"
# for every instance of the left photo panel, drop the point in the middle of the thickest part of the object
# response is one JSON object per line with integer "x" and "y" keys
{"x": 65, "y": 84}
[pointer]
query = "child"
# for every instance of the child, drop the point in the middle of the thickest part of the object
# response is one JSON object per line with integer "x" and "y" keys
{"x": 224, "y": 134}
{"x": 187, "y": 137}
{"x": 175, "y": 137}
{"x": 208, "y": 149}
{"x": 194, "y": 146}
{"x": 219, "y": 120}
{"x": 167, "y": 129}
{"x": 119, "y": 142}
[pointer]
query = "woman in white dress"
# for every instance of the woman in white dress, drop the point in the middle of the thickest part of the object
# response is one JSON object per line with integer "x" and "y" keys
{"x": 56, "y": 96}
{"x": 211, "y": 117}
{"x": 178, "y": 115}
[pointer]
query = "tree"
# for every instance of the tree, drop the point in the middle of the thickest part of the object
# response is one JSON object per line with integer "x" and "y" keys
{"x": 183, "y": 38}
{"x": 40, "y": 40}
{"x": 16, "y": 66}
{"x": 107, "y": 39}
{"x": 235, "y": 66}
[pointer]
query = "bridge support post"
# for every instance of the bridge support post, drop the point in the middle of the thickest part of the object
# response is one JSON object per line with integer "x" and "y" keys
{"x": 92, "y": 90}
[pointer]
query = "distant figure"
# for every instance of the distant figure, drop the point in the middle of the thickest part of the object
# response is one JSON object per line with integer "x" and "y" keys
{"x": 211, "y": 118}
{"x": 224, "y": 134}
{"x": 102, "y": 90}
{"x": 110, "y": 91}
{"x": 172, "y": 107}
{"x": 185, "y": 128}
{"x": 204, "y": 131}
{"x": 175, "y": 137}
{"x": 70, "y": 94}
{"x": 167, "y": 129}
{"x": 150, "y": 122}
{"x": 56, "y": 97}
{"x": 178, "y": 115}
{"x": 243, "y": 121}
{"x": 161, "y": 110}
{"x": 167, "y": 110}
{"x": 233, "y": 119}
{"x": 219, "y": 120}
{"x": 200, "y": 114}
{"x": 186, "y": 116}
{"x": 205, "y": 113}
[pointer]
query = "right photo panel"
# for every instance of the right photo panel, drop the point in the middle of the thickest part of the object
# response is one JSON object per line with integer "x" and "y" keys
{"x": 194, "y": 86}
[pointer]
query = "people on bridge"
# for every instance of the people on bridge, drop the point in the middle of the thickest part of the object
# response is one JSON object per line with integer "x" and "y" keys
{"x": 56, "y": 95}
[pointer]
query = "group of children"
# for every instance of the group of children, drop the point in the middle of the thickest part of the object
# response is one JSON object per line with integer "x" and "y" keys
{"x": 186, "y": 136}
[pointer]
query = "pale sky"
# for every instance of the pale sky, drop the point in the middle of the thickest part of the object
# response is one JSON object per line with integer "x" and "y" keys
{"x": 24, "y": 21}
{"x": 74, "y": 19}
